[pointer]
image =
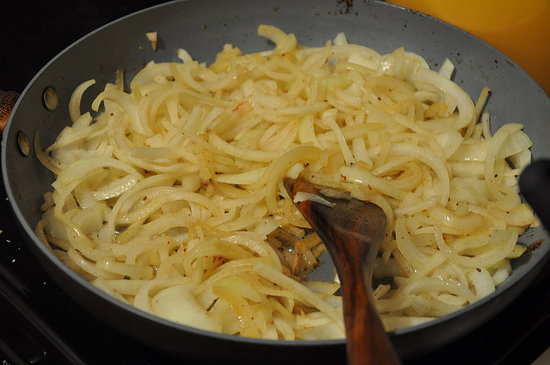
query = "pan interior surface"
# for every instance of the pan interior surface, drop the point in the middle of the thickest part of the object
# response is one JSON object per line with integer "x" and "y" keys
{"x": 203, "y": 28}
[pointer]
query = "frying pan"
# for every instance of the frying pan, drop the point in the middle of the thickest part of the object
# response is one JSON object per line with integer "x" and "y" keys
{"x": 202, "y": 28}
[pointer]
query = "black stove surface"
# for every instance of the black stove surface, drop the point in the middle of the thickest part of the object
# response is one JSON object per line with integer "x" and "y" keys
{"x": 40, "y": 324}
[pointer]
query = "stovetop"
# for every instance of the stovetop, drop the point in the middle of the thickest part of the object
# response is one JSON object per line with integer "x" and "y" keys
{"x": 40, "y": 324}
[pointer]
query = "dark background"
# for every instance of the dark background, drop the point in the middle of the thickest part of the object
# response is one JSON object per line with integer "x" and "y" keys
{"x": 35, "y": 32}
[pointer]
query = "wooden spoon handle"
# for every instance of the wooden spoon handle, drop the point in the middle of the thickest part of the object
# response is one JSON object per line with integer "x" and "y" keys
{"x": 367, "y": 340}
{"x": 352, "y": 231}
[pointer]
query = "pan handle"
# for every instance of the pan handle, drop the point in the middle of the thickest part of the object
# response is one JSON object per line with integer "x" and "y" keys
{"x": 7, "y": 102}
{"x": 534, "y": 183}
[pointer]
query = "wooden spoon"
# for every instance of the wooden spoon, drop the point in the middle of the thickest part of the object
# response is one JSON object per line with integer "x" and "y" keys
{"x": 352, "y": 231}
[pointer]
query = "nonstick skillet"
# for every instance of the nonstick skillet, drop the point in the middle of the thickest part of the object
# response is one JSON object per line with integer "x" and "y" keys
{"x": 203, "y": 27}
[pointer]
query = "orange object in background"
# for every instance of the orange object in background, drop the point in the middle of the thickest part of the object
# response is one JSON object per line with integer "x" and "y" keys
{"x": 519, "y": 29}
